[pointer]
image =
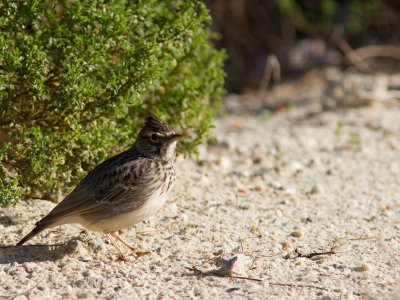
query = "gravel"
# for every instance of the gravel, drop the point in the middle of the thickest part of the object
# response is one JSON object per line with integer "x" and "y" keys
{"x": 273, "y": 189}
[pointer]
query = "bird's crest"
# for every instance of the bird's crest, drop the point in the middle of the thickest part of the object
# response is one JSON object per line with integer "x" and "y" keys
{"x": 154, "y": 124}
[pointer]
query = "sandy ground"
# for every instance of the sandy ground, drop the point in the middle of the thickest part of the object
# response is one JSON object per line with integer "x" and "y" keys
{"x": 277, "y": 190}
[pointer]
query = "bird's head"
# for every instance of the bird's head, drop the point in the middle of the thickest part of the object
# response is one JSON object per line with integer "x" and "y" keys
{"x": 156, "y": 139}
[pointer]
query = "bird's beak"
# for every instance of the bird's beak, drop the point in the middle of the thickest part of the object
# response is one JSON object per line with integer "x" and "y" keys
{"x": 175, "y": 137}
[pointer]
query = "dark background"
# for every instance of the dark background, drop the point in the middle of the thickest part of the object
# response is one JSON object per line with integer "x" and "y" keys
{"x": 303, "y": 35}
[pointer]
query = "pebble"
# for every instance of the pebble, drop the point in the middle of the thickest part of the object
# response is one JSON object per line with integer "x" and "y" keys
{"x": 232, "y": 265}
{"x": 214, "y": 239}
{"x": 300, "y": 263}
{"x": 254, "y": 228}
{"x": 290, "y": 191}
{"x": 259, "y": 188}
{"x": 365, "y": 267}
{"x": 276, "y": 185}
{"x": 296, "y": 167}
{"x": 94, "y": 241}
{"x": 265, "y": 282}
{"x": 297, "y": 234}
{"x": 207, "y": 256}
{"x": 385, "y": 207}
{"x": 287, "y": 246}
{"x": 242, "y": 190}
{"x": 224, "y": 162}
{"x": 29, "y": 267}
{"x": 317, "y": 189}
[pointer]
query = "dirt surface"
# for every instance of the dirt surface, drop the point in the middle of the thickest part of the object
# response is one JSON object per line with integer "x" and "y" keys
{"x": 276, "y": 191}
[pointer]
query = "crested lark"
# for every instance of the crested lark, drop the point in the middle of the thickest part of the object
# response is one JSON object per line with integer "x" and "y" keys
{"x": 123, "y": 190}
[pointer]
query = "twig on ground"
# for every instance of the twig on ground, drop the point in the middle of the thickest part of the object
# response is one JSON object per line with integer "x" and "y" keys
{"x": 366, "y": 238}
{"x": 378, "y": 51}
{"x": 333, "y": 250}
{"x": 310, "y": 286}
{"x": 357, "y": 56}
{"x": 300, "y": 286}
{"x": 353, "y": 57}
{"x": 300, "y": 254}
{"x": 272, "y": 68}
{"x": 276, "y": 254}
{"x": 212, "y": 273}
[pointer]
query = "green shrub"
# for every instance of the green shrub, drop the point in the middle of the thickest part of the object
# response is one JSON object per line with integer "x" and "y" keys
{"x": 77, "y": 78}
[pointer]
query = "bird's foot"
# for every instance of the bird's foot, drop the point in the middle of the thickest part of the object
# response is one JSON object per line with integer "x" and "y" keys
{"x": 115, "y": 235}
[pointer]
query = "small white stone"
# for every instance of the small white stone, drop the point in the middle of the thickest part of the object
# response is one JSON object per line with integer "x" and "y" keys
{"x": 275, "y": 185}
{"x": 224, "y": 162}
{"x": 290, "y": 191}
{"x": 265, "y": 283}
{"x": 296, "y": 167}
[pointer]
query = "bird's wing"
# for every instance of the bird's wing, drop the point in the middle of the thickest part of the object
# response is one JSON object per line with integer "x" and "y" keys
{"x": 106, "y": 185}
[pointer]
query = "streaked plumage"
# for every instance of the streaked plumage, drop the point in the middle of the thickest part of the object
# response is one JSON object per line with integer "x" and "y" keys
{"x": 123, "y": 190}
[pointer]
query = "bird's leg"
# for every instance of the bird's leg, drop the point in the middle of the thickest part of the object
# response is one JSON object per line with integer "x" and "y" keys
{"x": 121, "y": 256}
{"x": 119, "y": 238}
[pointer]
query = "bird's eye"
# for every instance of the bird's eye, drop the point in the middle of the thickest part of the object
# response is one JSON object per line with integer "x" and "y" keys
{"x": 154, "y": 137}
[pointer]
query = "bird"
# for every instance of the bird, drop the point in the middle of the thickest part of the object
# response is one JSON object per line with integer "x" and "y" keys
{"x": 123, "y": 190}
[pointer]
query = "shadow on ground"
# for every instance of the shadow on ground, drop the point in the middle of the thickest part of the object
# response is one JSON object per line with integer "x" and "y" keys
{"x": 33, "y": 253}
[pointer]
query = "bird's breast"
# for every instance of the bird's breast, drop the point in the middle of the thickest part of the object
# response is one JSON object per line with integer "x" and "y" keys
{"x": 150, "y": 206}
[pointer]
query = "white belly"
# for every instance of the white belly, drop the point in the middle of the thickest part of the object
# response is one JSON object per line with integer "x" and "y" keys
{"x": 152, "y": 205}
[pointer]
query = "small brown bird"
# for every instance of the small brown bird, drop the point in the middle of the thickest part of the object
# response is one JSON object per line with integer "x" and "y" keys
{"x": 123, "y": 190}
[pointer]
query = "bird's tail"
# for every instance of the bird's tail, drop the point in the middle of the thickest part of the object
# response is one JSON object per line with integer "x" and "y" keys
{"x": 35, "y": 231}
